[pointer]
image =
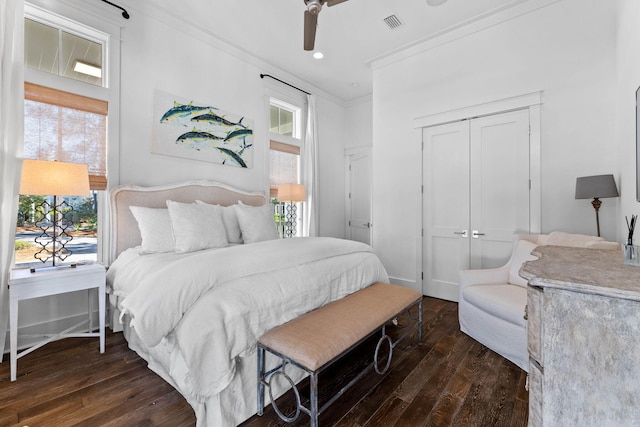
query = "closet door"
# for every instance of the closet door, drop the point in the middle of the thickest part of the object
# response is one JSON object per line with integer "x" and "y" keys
{"x": 476, "y": 196}
{"x": 499, "y": 172}
{"x": 445, "y": 245}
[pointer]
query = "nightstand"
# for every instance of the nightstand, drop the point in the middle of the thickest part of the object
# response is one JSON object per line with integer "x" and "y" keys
{"x": 26, "y": 285}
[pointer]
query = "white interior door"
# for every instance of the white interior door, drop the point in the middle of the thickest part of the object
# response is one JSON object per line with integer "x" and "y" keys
{"x": 445, "y": 208}
{"x": 359, "y": 196}
{"x": 476, "y": 196}
{"x": 499, "y": 172}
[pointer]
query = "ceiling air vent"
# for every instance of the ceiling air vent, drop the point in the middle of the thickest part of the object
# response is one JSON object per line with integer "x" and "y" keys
{"x": 393, "y": 22}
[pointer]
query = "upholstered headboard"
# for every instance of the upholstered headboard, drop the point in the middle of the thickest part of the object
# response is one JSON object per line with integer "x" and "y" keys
{"x": 124, "y": 231}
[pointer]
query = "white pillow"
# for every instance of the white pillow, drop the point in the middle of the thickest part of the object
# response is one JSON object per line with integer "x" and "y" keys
{"x": 230, "y": 221}
{"x": 155, "y": 229}
{"x": 196, "y": 227}
{"x": 256, "y": 222}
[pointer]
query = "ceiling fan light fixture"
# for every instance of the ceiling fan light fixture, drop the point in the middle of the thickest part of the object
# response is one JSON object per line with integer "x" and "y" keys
{"x": 318, "y": 55}
{"x": 314, "y": 6}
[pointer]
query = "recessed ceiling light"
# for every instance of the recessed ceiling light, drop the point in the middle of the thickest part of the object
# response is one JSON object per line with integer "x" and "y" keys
{"x": 88, "y": 69}
{"x": 318, "y": 55}
{"x": 355, "y": 84}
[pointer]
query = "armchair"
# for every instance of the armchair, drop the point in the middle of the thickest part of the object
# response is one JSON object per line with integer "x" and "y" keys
{"x": 491, "y": 302}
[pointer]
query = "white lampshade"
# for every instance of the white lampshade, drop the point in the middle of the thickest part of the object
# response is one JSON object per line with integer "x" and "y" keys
{"x": 291, "y": 193}
{"x": 41, "y": 177}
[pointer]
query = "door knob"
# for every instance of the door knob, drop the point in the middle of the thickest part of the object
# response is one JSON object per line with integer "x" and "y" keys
{"x": 476, "y": 234}
{"x": 462, "y": 233}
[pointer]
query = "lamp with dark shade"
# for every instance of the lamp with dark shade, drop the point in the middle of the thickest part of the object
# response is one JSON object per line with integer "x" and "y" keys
{"x": 45, "y": 178}
{"x": 596, "y": 187}
{"x": 291, "y": 193}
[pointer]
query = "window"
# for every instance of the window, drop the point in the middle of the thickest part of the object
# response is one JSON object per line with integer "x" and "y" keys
{"x": 66, "y": 120}
{"x": 53, "y": 50}
{"x": 284, "y": 154}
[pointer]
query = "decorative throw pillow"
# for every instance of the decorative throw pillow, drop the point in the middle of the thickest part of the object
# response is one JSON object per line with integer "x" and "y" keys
{"x": 256, "y": 222}
{"x": 155, "y": 229}
{"x": 230, "y": 221}
{"x": 196, "y": 227}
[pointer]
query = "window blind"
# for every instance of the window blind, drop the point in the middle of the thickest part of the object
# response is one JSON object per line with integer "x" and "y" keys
{"x": 284, "y": 160}
{"x": 67, "y": 127}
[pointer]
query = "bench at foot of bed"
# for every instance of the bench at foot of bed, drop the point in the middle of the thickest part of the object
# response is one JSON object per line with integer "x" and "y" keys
{"x": 317, "y": 339}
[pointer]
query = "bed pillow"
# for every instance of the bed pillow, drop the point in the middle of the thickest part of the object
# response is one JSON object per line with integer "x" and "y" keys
{"x": 256, "y": 222}
{"x": 230, "y": 221}
{"x": 155, "y": 229}
{"x": 196, "y": 227}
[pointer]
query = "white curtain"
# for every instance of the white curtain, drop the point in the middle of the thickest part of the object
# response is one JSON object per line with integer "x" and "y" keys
{"x": 11, "y": 140}
{"x": 310, "y": 171}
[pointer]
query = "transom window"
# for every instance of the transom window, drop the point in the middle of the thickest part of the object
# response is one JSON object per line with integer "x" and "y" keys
{"x": 61, "y": 52}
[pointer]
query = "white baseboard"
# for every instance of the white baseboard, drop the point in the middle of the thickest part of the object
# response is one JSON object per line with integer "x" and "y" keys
{"x": 445, "y": 291}
{"x": 406, "y": 283}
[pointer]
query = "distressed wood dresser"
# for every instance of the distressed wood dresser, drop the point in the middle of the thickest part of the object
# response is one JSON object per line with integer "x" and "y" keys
{"x": 583, "y": 311}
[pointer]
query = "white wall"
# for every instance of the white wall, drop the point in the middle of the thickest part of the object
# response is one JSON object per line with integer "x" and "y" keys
{"x": 159, "y": 53}
{"x": 567, "y": 50}
{"x": 359, "y": 123}
{"x": 628, "y": 82}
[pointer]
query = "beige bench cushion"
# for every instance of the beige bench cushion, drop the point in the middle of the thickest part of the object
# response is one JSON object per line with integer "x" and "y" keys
{"x": 319, "y": 336}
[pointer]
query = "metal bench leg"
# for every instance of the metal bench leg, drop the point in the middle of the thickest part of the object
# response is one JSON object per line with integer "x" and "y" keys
{"x": 260, "y": 379}
{"x": 313, "y": 384}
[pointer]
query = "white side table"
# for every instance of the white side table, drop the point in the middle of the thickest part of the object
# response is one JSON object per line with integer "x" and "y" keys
{"x": 26, "y": 285}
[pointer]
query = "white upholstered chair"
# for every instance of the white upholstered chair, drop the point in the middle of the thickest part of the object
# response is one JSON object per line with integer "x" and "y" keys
{"x": 491, "y": 302}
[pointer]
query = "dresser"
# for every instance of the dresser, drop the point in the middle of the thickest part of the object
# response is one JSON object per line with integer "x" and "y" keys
{"x": 583, "y": 309}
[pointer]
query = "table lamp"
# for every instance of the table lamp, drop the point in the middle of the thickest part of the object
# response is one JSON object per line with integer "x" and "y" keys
{"x": 46, "y": 178}
{"x": 291, "y": 193}
{"x": 596, "y": 187}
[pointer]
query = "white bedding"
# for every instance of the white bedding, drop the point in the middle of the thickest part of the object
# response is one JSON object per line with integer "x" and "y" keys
{"x": 213, "y": 305}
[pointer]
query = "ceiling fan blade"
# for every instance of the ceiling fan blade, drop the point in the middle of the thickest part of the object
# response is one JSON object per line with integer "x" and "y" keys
{"x": 334, "y": 2}
{"x": 310, "y": 24}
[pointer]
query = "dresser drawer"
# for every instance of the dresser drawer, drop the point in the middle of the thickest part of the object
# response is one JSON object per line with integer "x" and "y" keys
{"x": 535, "y": 394}
{"x": 534, "y": 323}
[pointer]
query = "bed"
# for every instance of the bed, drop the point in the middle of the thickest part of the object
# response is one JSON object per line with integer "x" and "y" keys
{"x": 197, "y": 275}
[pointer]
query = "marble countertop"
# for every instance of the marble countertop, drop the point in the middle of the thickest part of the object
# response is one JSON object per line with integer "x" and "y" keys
{"x": 594, "y": 271}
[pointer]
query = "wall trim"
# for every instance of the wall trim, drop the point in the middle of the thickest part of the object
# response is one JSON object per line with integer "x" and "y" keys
{"x": 487, "y": 20}
{"x": 504, "y": 105}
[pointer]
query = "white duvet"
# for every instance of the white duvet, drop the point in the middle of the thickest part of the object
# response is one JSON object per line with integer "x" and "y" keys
{"x": 214, "y": 304}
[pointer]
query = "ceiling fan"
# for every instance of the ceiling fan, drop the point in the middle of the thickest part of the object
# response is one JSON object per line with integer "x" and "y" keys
{"x": 311, "y": 19}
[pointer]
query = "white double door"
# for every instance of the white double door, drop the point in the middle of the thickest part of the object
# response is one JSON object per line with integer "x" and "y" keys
{"x": 476, "y": 196}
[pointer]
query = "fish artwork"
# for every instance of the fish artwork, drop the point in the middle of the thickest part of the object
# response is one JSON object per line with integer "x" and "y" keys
{"x": 179, "y": 111}
{"x": 213, "y": 118}
{"x": 237, "y": 134}
{"x": 216, "y": 136}
{"x": 197, "y": 139}
{"x": 233, "y": 155}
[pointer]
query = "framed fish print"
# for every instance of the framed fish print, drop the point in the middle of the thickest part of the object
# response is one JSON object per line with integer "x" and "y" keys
{"x": 200, "y": 131}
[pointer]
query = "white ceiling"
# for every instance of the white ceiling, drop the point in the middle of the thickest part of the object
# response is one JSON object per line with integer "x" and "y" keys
{"x": 349, "y": 34}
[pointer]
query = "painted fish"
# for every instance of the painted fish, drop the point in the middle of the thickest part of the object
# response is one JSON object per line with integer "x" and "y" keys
{"x": 233, "y": 155}
{"x": 182, "y": 110}
{"x": 196, "y": 135}
{"x": 240, "y": 133}
{"x": 244, "y": 147}
{"x": 212, "y": 118}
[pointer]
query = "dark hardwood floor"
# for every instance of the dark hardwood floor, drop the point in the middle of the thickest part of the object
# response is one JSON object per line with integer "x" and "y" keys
{"x": 450, "y": 380}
